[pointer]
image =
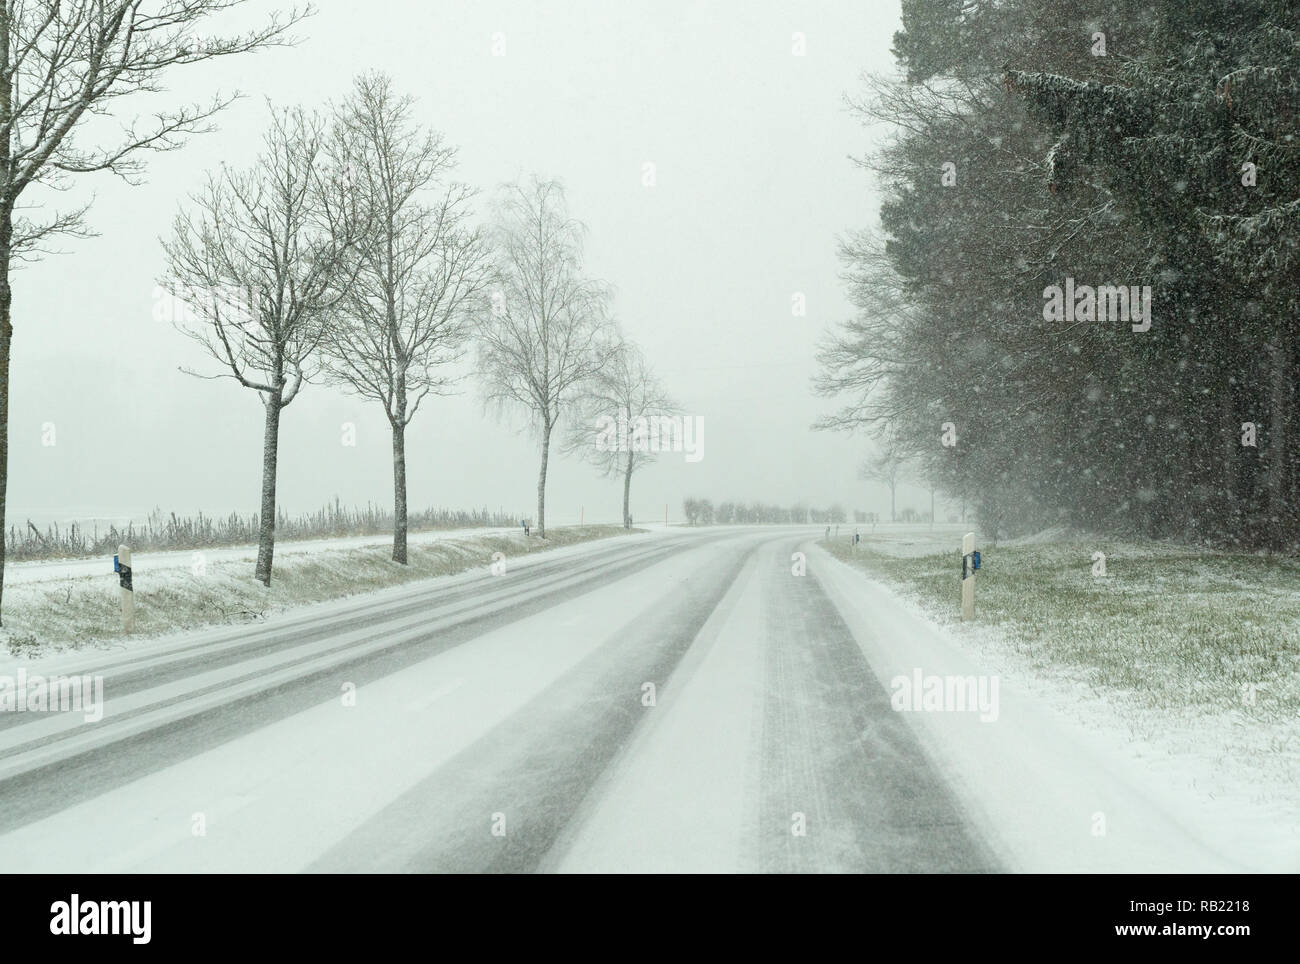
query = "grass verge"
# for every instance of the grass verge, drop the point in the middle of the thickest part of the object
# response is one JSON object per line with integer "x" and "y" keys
{"x": 52, "y": 615}
{"x": 1165, "y": 627}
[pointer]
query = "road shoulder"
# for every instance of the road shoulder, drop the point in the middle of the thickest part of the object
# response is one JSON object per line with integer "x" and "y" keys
{"x": 1049, "y": 794}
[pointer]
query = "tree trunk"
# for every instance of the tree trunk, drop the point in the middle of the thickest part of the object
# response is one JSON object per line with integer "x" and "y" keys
{"x": 1291, "y": 490}
{"x": 541, "y": 482}
{"x": 270, "y": 452}
{"x": 627, "y": 493}
{"x": 1231, "y": 457}
{"x": 6, "y": 340}
{"x": 399, "y": 492}
{"x": 892, "y": 516}
{"x": 6, "y": 293}
{"x": 1277, "y": 443}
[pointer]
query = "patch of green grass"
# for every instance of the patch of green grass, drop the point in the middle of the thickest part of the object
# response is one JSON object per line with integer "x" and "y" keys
{"x": 1166, "y": 626}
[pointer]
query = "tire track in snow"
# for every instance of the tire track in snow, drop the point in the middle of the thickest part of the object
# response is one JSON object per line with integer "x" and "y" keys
{"x": 132, "y": 672}
{"x": 536, "y": 768}
{"x": 835, "y": 751}
{"x": 83, "y": 774}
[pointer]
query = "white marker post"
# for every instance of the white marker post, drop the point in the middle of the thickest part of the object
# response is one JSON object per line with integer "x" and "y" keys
{"x": 968, "y": 576}
{"x": 122, "y": 566}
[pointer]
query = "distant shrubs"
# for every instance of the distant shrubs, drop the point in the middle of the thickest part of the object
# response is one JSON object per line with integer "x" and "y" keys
{"x": 163, "y": 532}
{"x": 704, "y": 512}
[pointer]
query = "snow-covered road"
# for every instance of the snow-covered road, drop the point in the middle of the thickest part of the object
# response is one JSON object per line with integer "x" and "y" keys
{"x": 675, "y": 702}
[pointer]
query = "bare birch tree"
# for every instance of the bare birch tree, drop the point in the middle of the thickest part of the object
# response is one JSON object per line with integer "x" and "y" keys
{"x": 615, "y": 426}
{"x": 254, "y": 271}
{"x": 887, "y": 467}
{"x": 421, "y": 265}
{"x": 545, "y": 333}
{"x": 64, "y": 63}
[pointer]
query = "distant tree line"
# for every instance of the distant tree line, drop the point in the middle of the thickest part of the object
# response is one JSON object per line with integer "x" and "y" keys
{"x": 705, "y": 512}
{"x": 1054, "y": 162}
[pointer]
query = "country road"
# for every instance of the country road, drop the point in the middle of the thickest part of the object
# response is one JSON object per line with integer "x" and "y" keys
{"x": 676, "y": 702}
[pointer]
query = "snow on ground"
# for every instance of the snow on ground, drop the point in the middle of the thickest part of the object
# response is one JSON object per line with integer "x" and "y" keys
{"x": 907, "y": 540}
{"x": 146, "y": 562}
{"x": 276, "y": 798}
{"x": 94, "y": 602}
{"x": 1058, "y": 782}
{"x": 680, "y": 797}
{"x": 1058, "y": 762}
{"x": 1043, "y": 537}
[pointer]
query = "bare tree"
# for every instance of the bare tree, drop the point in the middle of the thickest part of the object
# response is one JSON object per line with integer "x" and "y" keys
{"x": 887, "y": 467}
{"x": 616, "y": 412}
{"x": 64, "y": 63}
{"x": 546, "y": 331}
{"x": 254, "y": 272}
{"x": 421, "y": 265}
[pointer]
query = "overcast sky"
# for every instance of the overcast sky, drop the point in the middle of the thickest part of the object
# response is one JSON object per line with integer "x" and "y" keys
{"x": 754, "y": 184}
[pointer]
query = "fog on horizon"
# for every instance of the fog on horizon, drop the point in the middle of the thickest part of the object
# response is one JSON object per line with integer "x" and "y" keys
{"x": 754, "y": 183}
